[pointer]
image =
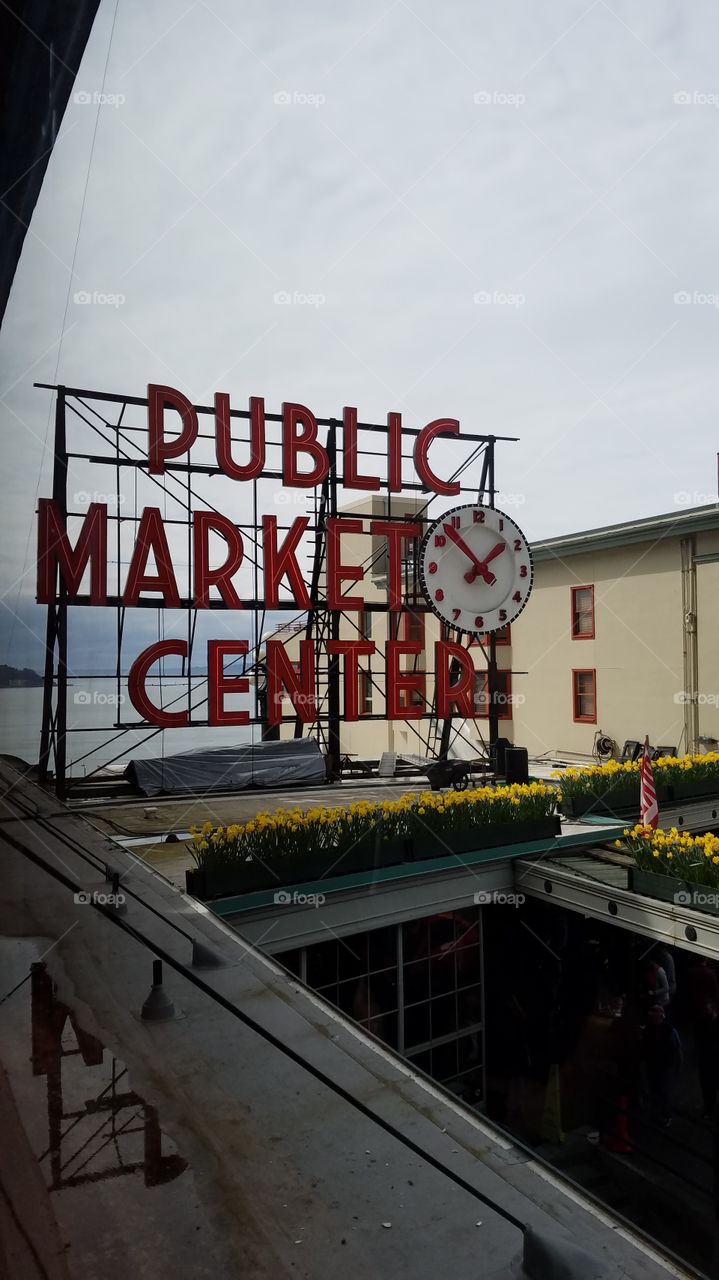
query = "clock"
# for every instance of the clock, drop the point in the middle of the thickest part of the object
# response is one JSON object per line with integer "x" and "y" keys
{"x": 475, "y": 568}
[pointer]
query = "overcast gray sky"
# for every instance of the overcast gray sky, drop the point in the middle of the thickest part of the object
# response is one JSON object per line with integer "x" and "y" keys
{"x": 494, "y": 208}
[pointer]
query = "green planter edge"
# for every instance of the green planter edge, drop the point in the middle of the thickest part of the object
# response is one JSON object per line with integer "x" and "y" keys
{"x": 664, "y": 888}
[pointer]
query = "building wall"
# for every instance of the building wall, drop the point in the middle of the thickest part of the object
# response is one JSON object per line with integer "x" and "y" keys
{"x": 636, "y": 652}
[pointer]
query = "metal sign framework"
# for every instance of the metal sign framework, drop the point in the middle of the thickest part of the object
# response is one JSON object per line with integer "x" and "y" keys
{"x": 113, "y": 444}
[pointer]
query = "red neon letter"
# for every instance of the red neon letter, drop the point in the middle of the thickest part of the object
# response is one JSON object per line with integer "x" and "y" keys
{"x": 395, "y": 532}
{"x": 440, "y": 427}
{"x": 158, "y": 399}
{"x": 461, "y": 693}
{"x": 54, "y": 549}
{"x": 399, "y": 682}
{"x": 294, "y": 415}
{"x": 337, "y": 572}
{"x": 151, "y": 537}
{"x": 281, "y": 561}
{"x": 136, "y": 684}
{"x": 223, "y": 438}
{"x": 351, "y": 477}
{"x": 205, "y": 577}
{"x": 282, "y": 675}
{"x": 394, "y": 469}
{"x": 351, "y": 650}
{"x": 218, "y": 684}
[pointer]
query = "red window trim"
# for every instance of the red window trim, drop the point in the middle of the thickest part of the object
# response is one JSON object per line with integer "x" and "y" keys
{"x": 504, "y": 711}
{"x": 583, "y": 671}
{"x": 411, "y": 618}
{"x": 365, "y": 687}
{"x": 581, "y": 635}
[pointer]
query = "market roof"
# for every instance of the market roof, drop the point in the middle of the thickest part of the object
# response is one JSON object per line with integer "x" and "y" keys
{"x": 675, "y": 524}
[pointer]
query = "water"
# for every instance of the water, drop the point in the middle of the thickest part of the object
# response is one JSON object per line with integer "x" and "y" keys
{"x": 93, "y": 710}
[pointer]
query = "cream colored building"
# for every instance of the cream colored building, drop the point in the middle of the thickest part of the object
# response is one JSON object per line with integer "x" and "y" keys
{"x": 620, "y": 637}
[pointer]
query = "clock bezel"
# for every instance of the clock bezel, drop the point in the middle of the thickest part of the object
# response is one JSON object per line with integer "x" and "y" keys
{"x": 433, "y": 528}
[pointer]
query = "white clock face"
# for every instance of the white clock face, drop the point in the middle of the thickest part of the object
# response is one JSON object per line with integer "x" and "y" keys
{"x": 476, "y": 568}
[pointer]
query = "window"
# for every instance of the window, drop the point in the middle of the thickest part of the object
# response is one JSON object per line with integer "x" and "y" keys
{"x": 584, "y": 696}
{"x": 364, "y": 624}
{"x": 413, "y": 626}
{"x": 582, "y": 613}
{"x": 502, "y": 636}
{"x": 502, "y": 695}
{"x": 365, "y": 692}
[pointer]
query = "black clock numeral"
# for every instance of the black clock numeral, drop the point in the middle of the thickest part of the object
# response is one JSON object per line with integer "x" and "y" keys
{"x": 517, "y": 544}
{"x": 432, "y": 566}
{"x": 456, "y": 613}
{"x": 517, "y": 597}
{"x": 523, "y": 571}
{"x": 478, "y": 517}
{"x": 503, "y": 615}
{"x": 439, "y": 595}
{"x": 479, "y": 622}
{"x": 440, "y": 540}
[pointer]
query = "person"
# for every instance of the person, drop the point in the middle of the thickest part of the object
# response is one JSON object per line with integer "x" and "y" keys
{"x": 665, "y": 959}
{"x": 655, "y": 986}
{"x": 663, "y": 1057}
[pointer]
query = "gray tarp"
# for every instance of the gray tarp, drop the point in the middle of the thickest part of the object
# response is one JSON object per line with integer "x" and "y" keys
{"x": 262, "y": 764}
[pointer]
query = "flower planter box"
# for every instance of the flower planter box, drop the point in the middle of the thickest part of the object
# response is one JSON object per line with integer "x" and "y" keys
{"x": 666, "y": 889}
{"x": 686, "y": 789}
{"x": 220, "y": 882}
{"x": 429, "y": 844}
{"x": 613, "y": 804}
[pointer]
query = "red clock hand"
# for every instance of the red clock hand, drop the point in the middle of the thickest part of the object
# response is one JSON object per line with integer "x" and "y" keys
{"x": 487, "y": 575}
{"x": 478, "y": 568}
